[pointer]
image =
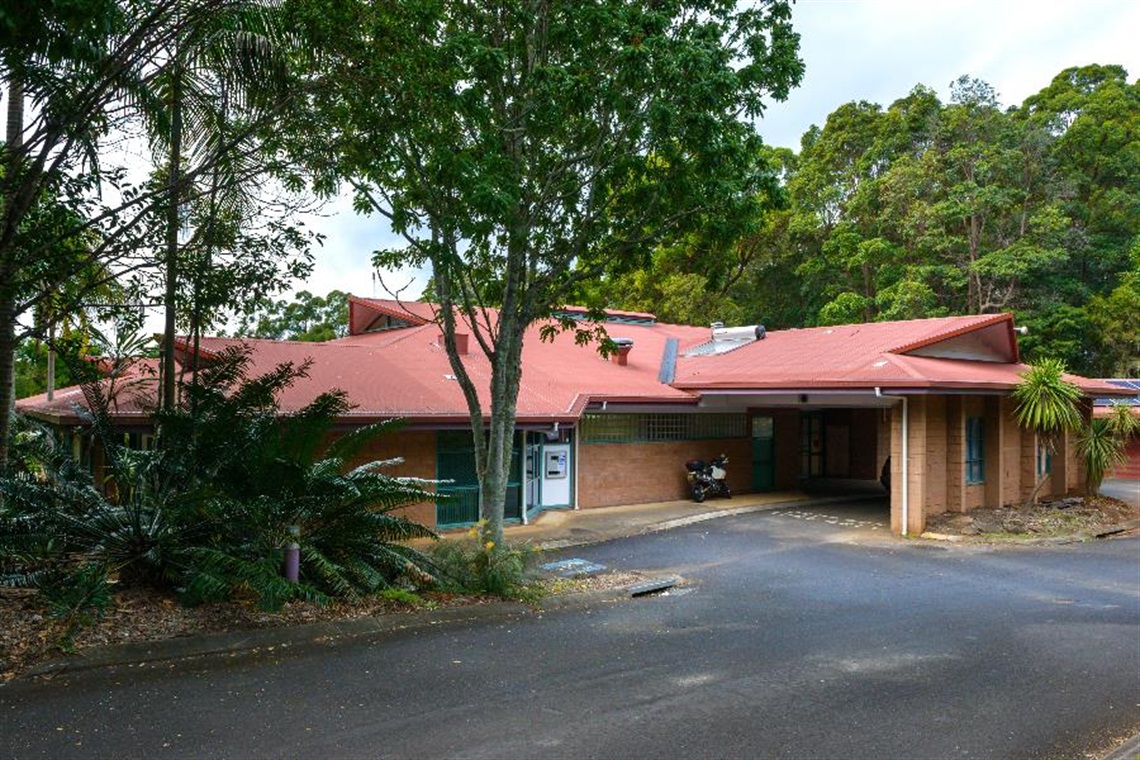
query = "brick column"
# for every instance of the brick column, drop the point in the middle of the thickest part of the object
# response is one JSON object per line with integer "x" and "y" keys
{"x": 993, "y": 440}
{"x": 916, "y": 466}
{"x": 955, "y": 455}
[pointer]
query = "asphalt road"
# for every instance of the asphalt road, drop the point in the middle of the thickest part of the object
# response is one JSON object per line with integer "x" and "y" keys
{"x": 796, "y": 633}
{"x": 1125, "y": 489}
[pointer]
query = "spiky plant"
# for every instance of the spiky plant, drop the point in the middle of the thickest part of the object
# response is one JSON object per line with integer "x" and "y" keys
{"x": 1047, "y": 404}
{"x": 272, "y": 474}
{"x": 1102, "y": 449}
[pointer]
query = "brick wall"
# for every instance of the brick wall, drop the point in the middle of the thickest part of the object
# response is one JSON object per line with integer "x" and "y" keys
{"x": 417, "y": 448}
{"x": 865, "y": 458}
{"x": 1012, "y": 464}
{"x": 937, "y": 475}
{"x": 612, "y": 474}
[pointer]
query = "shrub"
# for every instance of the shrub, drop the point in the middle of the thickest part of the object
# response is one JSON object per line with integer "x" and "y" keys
{"x": 469, "y": 567}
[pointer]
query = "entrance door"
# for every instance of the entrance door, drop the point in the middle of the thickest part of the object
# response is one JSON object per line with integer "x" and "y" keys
{"x": 763, "y": 453}
{"x": 532, "y": 475}
{"x": 455, "y": 464}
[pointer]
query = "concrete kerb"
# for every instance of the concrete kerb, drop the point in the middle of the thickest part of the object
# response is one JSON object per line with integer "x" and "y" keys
{"x": 297, "y": 638}
{"x": 1130, "y": 750}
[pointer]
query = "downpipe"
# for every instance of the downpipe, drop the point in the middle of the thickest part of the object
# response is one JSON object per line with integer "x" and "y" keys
{"x": 905, "y": 456}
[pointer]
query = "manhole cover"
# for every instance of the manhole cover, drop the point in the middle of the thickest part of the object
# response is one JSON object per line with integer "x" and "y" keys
{"x": 568, "y": 568}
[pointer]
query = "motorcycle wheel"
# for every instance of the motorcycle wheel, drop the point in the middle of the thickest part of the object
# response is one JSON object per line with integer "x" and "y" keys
{"x": 698, "y": 494}
{"x": 727, "y": 493}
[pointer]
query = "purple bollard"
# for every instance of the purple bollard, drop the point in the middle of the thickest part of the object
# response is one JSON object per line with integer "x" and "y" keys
{"x": 293, "y": 556}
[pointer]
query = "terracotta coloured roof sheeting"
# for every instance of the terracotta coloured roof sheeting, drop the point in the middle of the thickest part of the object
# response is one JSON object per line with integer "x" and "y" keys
{"x": 405, "y": 372}
{"x": 857, "y": 356}
{"x": 132, "y": 394}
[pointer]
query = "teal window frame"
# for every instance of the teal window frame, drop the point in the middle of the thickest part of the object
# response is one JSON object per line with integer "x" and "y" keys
{"x": 975, "y": 450}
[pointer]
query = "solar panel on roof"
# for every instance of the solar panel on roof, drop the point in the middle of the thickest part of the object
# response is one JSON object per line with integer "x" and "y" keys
{"x": 1127, "y": 384}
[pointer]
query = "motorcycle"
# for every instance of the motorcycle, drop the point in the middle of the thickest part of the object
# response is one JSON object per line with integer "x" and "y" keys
{"x": 708, "y": 478}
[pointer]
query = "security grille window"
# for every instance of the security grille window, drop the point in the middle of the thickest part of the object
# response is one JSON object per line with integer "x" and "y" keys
{"x": 630, "y": 428}
{"x": 975, "y": 451}
{"x": 459, "y": 492}
{"x": 811, "y": 445}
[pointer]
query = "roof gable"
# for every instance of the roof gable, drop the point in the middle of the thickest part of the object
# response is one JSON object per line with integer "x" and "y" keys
{"x": 969, "y": 351}
{"x": 372, "y": 315}
{"x": 985, "y": 340}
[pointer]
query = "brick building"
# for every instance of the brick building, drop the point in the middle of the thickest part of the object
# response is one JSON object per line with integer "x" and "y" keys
{"x": 929, "y": 398}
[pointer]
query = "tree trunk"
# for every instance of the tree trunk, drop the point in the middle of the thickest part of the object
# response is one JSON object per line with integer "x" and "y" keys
{"x": 7, "y": 373}
{"x": 505, "y": 376}
{"x": 14, "y": 145}
{"x": 172, "y": 225}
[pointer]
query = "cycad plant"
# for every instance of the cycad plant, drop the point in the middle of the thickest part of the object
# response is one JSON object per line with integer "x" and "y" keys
{"x": 276, "y": 478}
{"x": 207, "y": 513}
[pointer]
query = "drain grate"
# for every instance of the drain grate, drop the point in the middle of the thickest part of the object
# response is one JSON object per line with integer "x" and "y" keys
{"x": 654, "y": 586}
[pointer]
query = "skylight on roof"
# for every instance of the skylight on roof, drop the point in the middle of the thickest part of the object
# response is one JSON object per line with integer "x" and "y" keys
{"x": 613, "y": 317}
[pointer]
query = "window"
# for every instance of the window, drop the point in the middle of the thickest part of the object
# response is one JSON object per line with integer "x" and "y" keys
{"x": 627, "y": 428}
{"x": 1044, "y": 459}
{"x": 975, "y": 451}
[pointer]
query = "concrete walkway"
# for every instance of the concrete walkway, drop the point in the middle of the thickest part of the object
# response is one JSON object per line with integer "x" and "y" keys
{"x": 555, "y": 529}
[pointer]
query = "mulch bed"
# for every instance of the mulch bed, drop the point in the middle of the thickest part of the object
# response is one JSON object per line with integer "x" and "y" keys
{"x": 1075, "y": 517}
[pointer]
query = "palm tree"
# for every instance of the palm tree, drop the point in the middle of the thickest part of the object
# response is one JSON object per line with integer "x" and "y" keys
{"x": 222, "y": 83}
{"x": 1047, "y": 404}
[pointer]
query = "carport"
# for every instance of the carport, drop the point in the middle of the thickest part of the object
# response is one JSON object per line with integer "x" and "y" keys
{"x": 819, "y": 441}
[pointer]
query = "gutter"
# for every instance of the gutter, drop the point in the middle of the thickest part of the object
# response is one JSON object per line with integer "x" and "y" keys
{"x": 905, "y": 456}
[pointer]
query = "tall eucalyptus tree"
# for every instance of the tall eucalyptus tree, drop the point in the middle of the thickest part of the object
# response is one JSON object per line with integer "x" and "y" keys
{"x": 522, "y": 147}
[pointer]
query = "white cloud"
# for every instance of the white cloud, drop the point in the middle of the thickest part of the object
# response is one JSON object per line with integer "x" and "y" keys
{"x": 878, "y": 50}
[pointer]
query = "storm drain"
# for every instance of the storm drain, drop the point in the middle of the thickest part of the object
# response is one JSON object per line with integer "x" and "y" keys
{"x": 572, "y": 568}
{"x": 651, "y": 587}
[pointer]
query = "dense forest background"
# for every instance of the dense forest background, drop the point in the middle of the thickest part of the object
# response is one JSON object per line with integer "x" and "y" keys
{"x": 922, "y": 208}
{"x": 925, "y": 208}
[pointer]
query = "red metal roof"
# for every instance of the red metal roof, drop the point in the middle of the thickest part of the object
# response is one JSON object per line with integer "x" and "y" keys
{"x": 865, "y": 355}
{"x": 405, "y": 371}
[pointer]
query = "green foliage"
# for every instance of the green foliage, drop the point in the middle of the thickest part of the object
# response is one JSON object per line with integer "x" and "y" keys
{"x": 79, "y": 595}
{"x": 401, "y": 596}
{"x": 469, "y": 566}
{"x": 208, "y": 513}
{"x": 304, "y": 317}
{"x": 1122, "y": 421}
{"x": 1102, "y": 448}
{"x": 1046, "y": 401}
{"x": 926, "y": 208}
{"x": 1114, "y": 322}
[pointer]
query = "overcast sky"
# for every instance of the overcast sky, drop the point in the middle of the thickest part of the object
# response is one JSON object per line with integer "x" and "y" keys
{"x": 874, "y": 50}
